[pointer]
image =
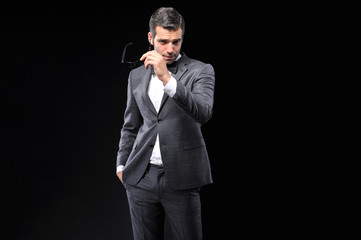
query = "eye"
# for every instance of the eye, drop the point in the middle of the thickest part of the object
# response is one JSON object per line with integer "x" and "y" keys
{"x": 163, "y": 42}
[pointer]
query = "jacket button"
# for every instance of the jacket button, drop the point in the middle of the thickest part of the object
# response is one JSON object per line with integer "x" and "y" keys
{"x": 159, "y": 120}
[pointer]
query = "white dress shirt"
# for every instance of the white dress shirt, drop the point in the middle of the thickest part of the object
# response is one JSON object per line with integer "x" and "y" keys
{"x": 155, "y": 92}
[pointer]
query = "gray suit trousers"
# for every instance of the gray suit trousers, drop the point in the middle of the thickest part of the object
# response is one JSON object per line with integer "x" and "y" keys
{"x": 151, "y": 201}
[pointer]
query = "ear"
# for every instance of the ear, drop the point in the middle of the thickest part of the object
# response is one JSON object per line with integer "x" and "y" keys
{"x": 150, "y": 38}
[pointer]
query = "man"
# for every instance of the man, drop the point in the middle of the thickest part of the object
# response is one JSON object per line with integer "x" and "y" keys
{"x": 162, "y": 159}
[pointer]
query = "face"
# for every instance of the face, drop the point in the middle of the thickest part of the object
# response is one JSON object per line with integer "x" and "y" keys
{"x": 166, "y": 42}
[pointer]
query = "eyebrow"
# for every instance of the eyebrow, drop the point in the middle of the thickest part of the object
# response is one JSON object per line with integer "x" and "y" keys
{"x": 167, "y": 40}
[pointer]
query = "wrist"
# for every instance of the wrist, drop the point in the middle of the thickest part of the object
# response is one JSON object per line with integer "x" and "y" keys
{"x": 165, "y": 79}
{"x": 120, "y": 168}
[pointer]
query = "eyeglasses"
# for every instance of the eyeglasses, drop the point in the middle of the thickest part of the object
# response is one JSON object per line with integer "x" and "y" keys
{"x": 131, "y": 64}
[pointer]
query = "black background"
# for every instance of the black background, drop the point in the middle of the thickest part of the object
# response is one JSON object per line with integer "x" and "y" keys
{"x": 64, "y": 92}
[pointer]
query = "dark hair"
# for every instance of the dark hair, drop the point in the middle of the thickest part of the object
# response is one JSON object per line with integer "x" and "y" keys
{"x": 168, "y": 18}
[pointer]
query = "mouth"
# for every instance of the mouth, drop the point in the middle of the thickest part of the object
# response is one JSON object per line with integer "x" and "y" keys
{"x": 169, "y": 58}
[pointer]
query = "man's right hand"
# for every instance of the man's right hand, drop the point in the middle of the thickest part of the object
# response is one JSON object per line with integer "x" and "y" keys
{"x": 120, "y": 175}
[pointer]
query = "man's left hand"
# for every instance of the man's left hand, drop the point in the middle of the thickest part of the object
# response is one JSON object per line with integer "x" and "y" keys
{"x": 160, "y": 67}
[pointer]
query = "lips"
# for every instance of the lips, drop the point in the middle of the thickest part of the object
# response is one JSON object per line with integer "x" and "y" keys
{"x": 168, "y": 58}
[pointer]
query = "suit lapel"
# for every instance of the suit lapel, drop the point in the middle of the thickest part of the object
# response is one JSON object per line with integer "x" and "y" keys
{"x": 182, "y": 69}
{"x": 144, "y": 86}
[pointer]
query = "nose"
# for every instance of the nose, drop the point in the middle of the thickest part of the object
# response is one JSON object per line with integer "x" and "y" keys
{"x": 170, "y": 48}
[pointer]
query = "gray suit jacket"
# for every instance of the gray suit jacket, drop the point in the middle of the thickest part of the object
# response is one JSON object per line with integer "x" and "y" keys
{"x": 178, "y": 122}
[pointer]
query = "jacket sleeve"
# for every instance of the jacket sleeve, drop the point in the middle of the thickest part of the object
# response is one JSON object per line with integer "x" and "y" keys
{"x": 131, "y": 125}
{"x": 196, "y": 97}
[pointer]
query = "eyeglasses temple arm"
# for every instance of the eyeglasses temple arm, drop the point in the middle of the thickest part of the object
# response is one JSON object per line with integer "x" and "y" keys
{"x": 124, "y": 50}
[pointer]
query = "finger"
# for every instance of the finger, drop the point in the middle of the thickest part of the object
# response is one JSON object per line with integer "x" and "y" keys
{"x": 149, "y": 60}
{"x": 120, "y": 176}
{"x": 145, "y": 55}
{"x": 147, "y": 63}
{"x": 146, "y": 66}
